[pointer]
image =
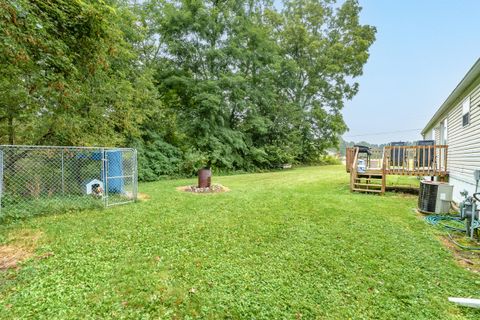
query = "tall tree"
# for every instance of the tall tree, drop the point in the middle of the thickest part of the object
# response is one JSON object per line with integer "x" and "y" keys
{"x": 255, "y": 87}
{"x": 72, "y": 74}
{"x": 236, "y": 84}
{"x": 198, "y": 65}
{"x": 324, "y": 47}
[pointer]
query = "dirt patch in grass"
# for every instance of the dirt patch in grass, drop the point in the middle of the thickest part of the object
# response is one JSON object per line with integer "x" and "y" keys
{"x": 215, "y": 188}
{"x": 19, "y": 247}
{"x": 468, "y": 259}
{"x": 11, "y": 256}
{"x": 410, "y": 190}
{"x": 143, "y": 196}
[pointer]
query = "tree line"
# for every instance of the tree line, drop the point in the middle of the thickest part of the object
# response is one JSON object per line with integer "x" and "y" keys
{"x": 343, "y": 145}
{"x": 232, "y": 84}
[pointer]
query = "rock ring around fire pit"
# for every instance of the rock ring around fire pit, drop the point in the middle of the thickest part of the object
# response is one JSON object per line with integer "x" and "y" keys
{"x": 214, "y": 188}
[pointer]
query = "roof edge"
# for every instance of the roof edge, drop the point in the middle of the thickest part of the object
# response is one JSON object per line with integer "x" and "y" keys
{"x": 467, "y": 80}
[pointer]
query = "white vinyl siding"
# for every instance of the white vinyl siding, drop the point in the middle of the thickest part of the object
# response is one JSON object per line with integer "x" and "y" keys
{"x": 437, "y": 134}
{"x": 464, "y": 141}
{"x": 428, "y": 135}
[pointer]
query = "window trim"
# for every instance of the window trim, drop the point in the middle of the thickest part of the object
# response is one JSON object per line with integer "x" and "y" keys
{"x": 466, "y": 108}
{"x": 443, "y": 131}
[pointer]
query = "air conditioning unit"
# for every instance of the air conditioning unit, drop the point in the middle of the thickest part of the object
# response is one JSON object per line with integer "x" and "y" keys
{"x": 434, "y": 197}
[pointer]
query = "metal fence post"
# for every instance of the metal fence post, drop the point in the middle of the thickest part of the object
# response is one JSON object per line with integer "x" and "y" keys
{"x": 105, "y": 176}
{"x": 63, "y": 172}
{"x": 135, "y": 175}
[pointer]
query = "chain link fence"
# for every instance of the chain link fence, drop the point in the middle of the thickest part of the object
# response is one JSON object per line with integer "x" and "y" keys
{"x": 38, "y": 179}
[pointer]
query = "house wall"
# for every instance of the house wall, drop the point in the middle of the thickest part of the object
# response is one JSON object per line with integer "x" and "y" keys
{"x": 464, "y": 144}
{"x": 436, "y": 131}
{"x": 429, "y": 135}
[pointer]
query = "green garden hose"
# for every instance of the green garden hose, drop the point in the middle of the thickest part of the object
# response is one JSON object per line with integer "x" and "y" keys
{"x": 461, "y": 245}
{"x": 436, "y": 220}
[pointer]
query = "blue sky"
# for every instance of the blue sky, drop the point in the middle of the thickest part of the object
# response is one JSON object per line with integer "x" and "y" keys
{"x": 423, "y": 49}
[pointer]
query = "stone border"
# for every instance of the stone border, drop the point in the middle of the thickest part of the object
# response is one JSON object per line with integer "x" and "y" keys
{"x": 215, "y": 188}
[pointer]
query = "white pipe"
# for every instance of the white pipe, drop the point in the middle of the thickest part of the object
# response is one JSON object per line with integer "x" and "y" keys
{"x": 466, "y": 302}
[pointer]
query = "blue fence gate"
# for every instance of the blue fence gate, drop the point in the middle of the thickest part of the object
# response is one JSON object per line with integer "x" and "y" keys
{"x": 119, "y": 171}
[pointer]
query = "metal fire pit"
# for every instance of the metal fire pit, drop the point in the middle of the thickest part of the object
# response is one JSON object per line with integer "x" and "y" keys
{"x": 204, "y": 178}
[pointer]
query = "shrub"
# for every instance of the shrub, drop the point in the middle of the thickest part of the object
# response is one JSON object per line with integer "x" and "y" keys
{"x": 328, "y": 160}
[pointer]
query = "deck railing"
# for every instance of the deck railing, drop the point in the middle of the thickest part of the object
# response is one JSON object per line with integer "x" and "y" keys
{"x": 404, "y": 160}
{"x": 373, "y": 161}
{"x": 416, "y": 160}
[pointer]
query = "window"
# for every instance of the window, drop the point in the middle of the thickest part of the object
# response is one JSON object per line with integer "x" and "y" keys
{"x": 466, "y": 112}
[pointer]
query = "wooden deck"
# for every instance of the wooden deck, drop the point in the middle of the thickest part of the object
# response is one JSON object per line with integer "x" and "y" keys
{"x": 395, "y": 160}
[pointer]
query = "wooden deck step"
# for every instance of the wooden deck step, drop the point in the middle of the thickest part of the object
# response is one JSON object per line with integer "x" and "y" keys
{"x": 372, "y": 176}
{"x": 368, "y": 179}
{"x": 367, "y": 190}
{"x": 368, "y": 184}
{"x": 368, "y": 176}
{"x": 372, "y": 171}
{"x": 379, "y": 181}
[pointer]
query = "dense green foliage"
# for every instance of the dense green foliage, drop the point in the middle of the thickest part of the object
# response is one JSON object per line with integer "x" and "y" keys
{"x": 284, "y": 245}
{"x": 235, "y": 84}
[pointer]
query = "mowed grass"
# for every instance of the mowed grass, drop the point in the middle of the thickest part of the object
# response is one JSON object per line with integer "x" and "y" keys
{"x": 409, "y": 181}
{"x": 285, "y": 245}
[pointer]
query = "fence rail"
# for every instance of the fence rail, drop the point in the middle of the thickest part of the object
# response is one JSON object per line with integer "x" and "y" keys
{"x": 40, "y": 179}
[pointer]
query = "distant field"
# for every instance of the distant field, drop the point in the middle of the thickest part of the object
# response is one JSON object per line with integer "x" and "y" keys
{"x": 294, "y": 244}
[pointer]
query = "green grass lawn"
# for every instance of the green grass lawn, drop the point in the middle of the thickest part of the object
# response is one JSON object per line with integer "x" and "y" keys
{"x": 407, "y": 181}
{"x": 284, "y": 245}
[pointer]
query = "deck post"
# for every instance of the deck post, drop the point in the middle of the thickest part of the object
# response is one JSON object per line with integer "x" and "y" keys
{"x": 384, "y": 176}
{"x": 353, "y": 169}
{"x": 446, "y": 158}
